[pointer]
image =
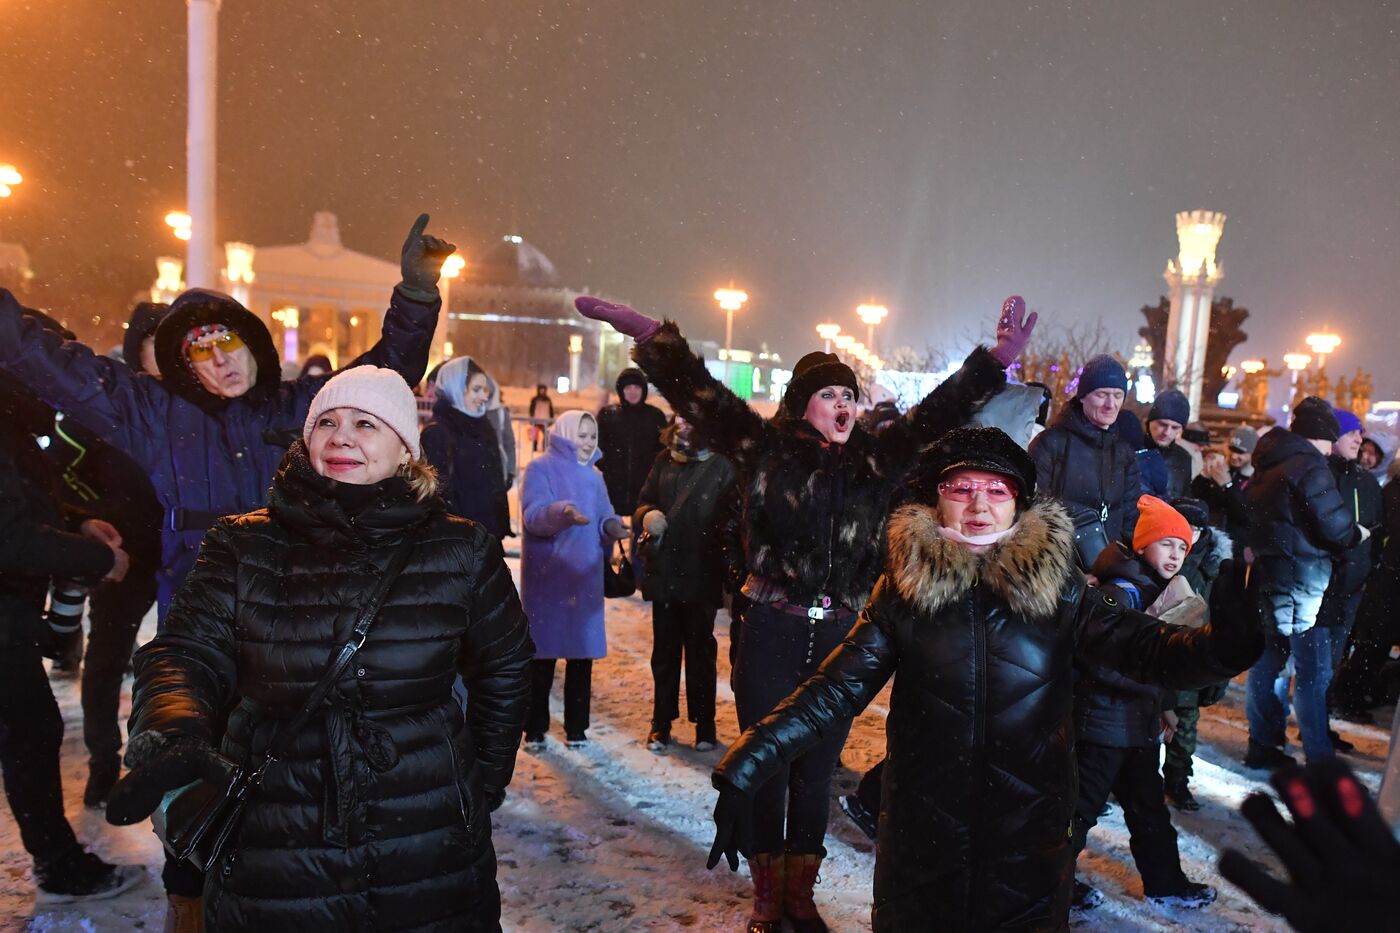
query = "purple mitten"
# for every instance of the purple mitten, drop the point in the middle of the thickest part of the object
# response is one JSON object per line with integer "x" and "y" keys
{"x": 623, "y": 319}
{"x": 1013, "y": 330}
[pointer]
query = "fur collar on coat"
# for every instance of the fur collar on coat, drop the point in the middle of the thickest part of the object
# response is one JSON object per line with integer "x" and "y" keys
{"x": 1027, "y": 569}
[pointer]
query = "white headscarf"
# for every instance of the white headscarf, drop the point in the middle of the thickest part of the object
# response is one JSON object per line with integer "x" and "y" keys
{"x": 567, "y": 424}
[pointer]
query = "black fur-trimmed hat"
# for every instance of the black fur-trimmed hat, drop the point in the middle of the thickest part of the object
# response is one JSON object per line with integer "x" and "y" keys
{"x": 971, "y": 448}
{"x": 200, "y": 307}
{"x": 815, "y": 371}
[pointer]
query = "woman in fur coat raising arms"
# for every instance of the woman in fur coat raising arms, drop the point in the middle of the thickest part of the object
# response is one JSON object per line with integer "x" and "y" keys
{"x": 983, "y": 614}
{"x": 817, "y": 489}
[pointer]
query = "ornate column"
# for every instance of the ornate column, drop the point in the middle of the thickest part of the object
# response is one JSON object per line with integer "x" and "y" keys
{"x": 1192, "y": 278}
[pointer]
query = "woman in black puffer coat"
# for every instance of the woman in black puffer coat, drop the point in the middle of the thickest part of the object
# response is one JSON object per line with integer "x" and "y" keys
{"x": 983, "y": 626}
{"x": 378, "y": 818}
{"x": 817, "y": 490}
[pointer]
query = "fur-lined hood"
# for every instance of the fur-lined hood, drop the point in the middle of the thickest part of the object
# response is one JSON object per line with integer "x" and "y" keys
{"x": 1027, "y": 569}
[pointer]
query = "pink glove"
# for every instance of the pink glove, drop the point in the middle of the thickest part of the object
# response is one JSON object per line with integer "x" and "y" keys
{"x": 623, "y": 319}
{"x": 1013, "y": 330}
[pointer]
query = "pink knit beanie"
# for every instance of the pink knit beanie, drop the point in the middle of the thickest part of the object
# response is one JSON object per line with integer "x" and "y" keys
{"x": 380, "y": 392}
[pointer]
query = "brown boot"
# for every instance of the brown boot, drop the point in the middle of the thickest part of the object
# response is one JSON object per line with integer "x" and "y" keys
{"x": 801, "y": 875}
{"x": 766, "y": 869}
{"x": 184, "y": 915}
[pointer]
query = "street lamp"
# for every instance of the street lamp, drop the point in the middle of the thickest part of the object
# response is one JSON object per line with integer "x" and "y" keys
{"x": 9, "y": 177}
{"x": 730, "y": 300}
{"x": 1252, "y": 366}
{"x": 871, "y": 314}
{"x": 828, "y": 332}
{"x": 180, "y": 223}
{"x": 1323, "y": 344}
{"x": 1297, "y": 362}
{"x": 843, "y": 342}
{"x": 452, "y": 267}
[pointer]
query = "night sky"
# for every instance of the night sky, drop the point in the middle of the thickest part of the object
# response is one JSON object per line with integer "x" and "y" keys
{"x": 935, "y": 156}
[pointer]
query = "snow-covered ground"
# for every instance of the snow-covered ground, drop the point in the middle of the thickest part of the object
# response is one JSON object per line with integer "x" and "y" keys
{"x": 614, "y": 837}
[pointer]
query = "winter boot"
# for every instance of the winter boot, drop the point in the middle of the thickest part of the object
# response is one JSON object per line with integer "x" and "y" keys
{"x": 534, "y": 741}
{"x": 1189, "y": 895}
{"x": 1178, "y": 792}
{"x": 81, "y": 875}
{"x": 184, "y": 914}
{"x": 1266, "y": 757}
{"x": 576, "y": 739}
{"x": 1339, "y": 743}
{"x": 659, "y": 739}
{"x": 102, "y": 774}
{"x": 867, "y": 822}
{"x": 766, "y": 869}
{"x": 801, "y": 874}
{"x": 705, "y": 740}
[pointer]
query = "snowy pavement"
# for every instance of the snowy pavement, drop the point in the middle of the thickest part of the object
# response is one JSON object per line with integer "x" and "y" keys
{"x": 614, "y": 837}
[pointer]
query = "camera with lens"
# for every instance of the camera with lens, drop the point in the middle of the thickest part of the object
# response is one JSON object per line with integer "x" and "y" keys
{"x": 64, "y": 617}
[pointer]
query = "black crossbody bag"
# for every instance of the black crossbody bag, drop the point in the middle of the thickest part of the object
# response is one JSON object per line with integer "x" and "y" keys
{"x": 196, "y": 822}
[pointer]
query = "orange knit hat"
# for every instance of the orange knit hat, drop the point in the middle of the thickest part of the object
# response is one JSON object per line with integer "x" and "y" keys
{"x": 1157, "y": 520}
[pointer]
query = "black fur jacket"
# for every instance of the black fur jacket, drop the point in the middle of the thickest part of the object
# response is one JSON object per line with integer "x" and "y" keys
{"x": 814, "y": 513}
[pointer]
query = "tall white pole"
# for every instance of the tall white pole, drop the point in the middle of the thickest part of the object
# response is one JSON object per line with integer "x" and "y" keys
{"x": 728, "y": 342}
{"x": 201, "y": 266}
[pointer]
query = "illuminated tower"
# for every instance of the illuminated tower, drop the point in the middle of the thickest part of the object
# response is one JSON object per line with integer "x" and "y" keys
{"x": 1192, "y": 278}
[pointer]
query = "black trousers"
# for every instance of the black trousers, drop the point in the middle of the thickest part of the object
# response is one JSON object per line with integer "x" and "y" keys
{"x": 683, "y": 629}
{"x": 777, "y": 652}
{"x": 31, "y": 732}
{"x": 868, "y": 790}
{"x": 1132, "y": 776}
{"x": 115, "y": 611}
{"x": 578, "y": 694}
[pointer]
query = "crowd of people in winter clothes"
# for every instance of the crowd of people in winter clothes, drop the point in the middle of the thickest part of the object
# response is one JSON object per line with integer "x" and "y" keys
{"x": 1057, "y": 599}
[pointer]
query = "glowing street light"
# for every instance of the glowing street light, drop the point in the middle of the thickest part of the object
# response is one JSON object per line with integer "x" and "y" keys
{"x": 1296, "y": 362}
{"x": 1252, "y": 366}
{"x": 452, "y": 267}
{"x": 9, "y": 177}
{"x": 828, "y": 332}
{"x": 1323, "y": 344}
{"x": 843, "y": 342}
{"x": 871, "y": 314}
{"x": 730, "y": 300}
{"x": 180, "y": 223}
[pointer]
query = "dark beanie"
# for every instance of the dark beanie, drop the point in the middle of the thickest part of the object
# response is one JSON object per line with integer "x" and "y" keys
{"x": 631, "y": 376}
{"x": 1313, "y": 419}
{"x": 815, "y": 371}
{"x": 990, "y": 450}
{"x": 1193, "y": 510}
{"x": 1102, "y": 372}
{"x": 1171, "y": 405}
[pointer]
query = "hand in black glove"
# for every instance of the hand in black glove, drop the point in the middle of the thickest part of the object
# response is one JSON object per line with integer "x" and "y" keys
{"x": 733, "y": 826}
{"x": 177, "y": 761}
{"x": 421, "y": 261}
{"x": 1342, "y": 861}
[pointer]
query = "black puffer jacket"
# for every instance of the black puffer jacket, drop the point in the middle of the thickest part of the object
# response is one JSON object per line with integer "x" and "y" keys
{"x": 1109, "y": 708}
{"x": 1178, "y": 467}
{"x": 377, "y": 819}
{"x": 980, "y": 782}
{"x": 814, "y": 513}
{"x": 687, "y": 564}
{"x": 1298, "y": 521}
{"x": 1362, "y": 496}
{"x": 629, "y": 438}
{"x": 1085, "y": 466}
{"x": 467, "y": 455}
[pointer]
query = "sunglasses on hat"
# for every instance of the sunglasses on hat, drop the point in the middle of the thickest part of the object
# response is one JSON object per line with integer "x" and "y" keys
{"x": 203, "y": 350}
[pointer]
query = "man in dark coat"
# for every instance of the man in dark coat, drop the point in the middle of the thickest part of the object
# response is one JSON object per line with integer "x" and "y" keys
{"x": 38, "y": 542}
{"x": 1350, "y": 569}
{"x": 1298, "y": 523}
{"x": 1168, "y": 417}
{"x": 981, "y": 641}
{"x": 1083, "y": 462}
{"x": 1223, "y": 480}
{"x": 682, "y": 510}
{"x": 1358, "y": 686}
{"x": 629, "y": 436}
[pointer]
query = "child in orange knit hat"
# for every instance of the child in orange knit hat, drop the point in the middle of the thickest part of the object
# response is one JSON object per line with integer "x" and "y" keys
{"x": 1119, "y": 722}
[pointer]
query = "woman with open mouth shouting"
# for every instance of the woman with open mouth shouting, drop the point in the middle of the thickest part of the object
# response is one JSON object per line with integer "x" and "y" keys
{"x": 817, "y": 490}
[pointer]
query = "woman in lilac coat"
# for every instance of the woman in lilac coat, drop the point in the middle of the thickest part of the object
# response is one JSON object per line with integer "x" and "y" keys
{"x": 570, "y": 528}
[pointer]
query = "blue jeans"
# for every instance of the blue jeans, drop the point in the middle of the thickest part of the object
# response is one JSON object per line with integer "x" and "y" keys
{"x": 1312, "y": 672}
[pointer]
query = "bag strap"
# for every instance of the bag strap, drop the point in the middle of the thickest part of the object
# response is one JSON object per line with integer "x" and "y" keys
{"x": 282, "y": 739}
{"x": 705, "y": 466}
